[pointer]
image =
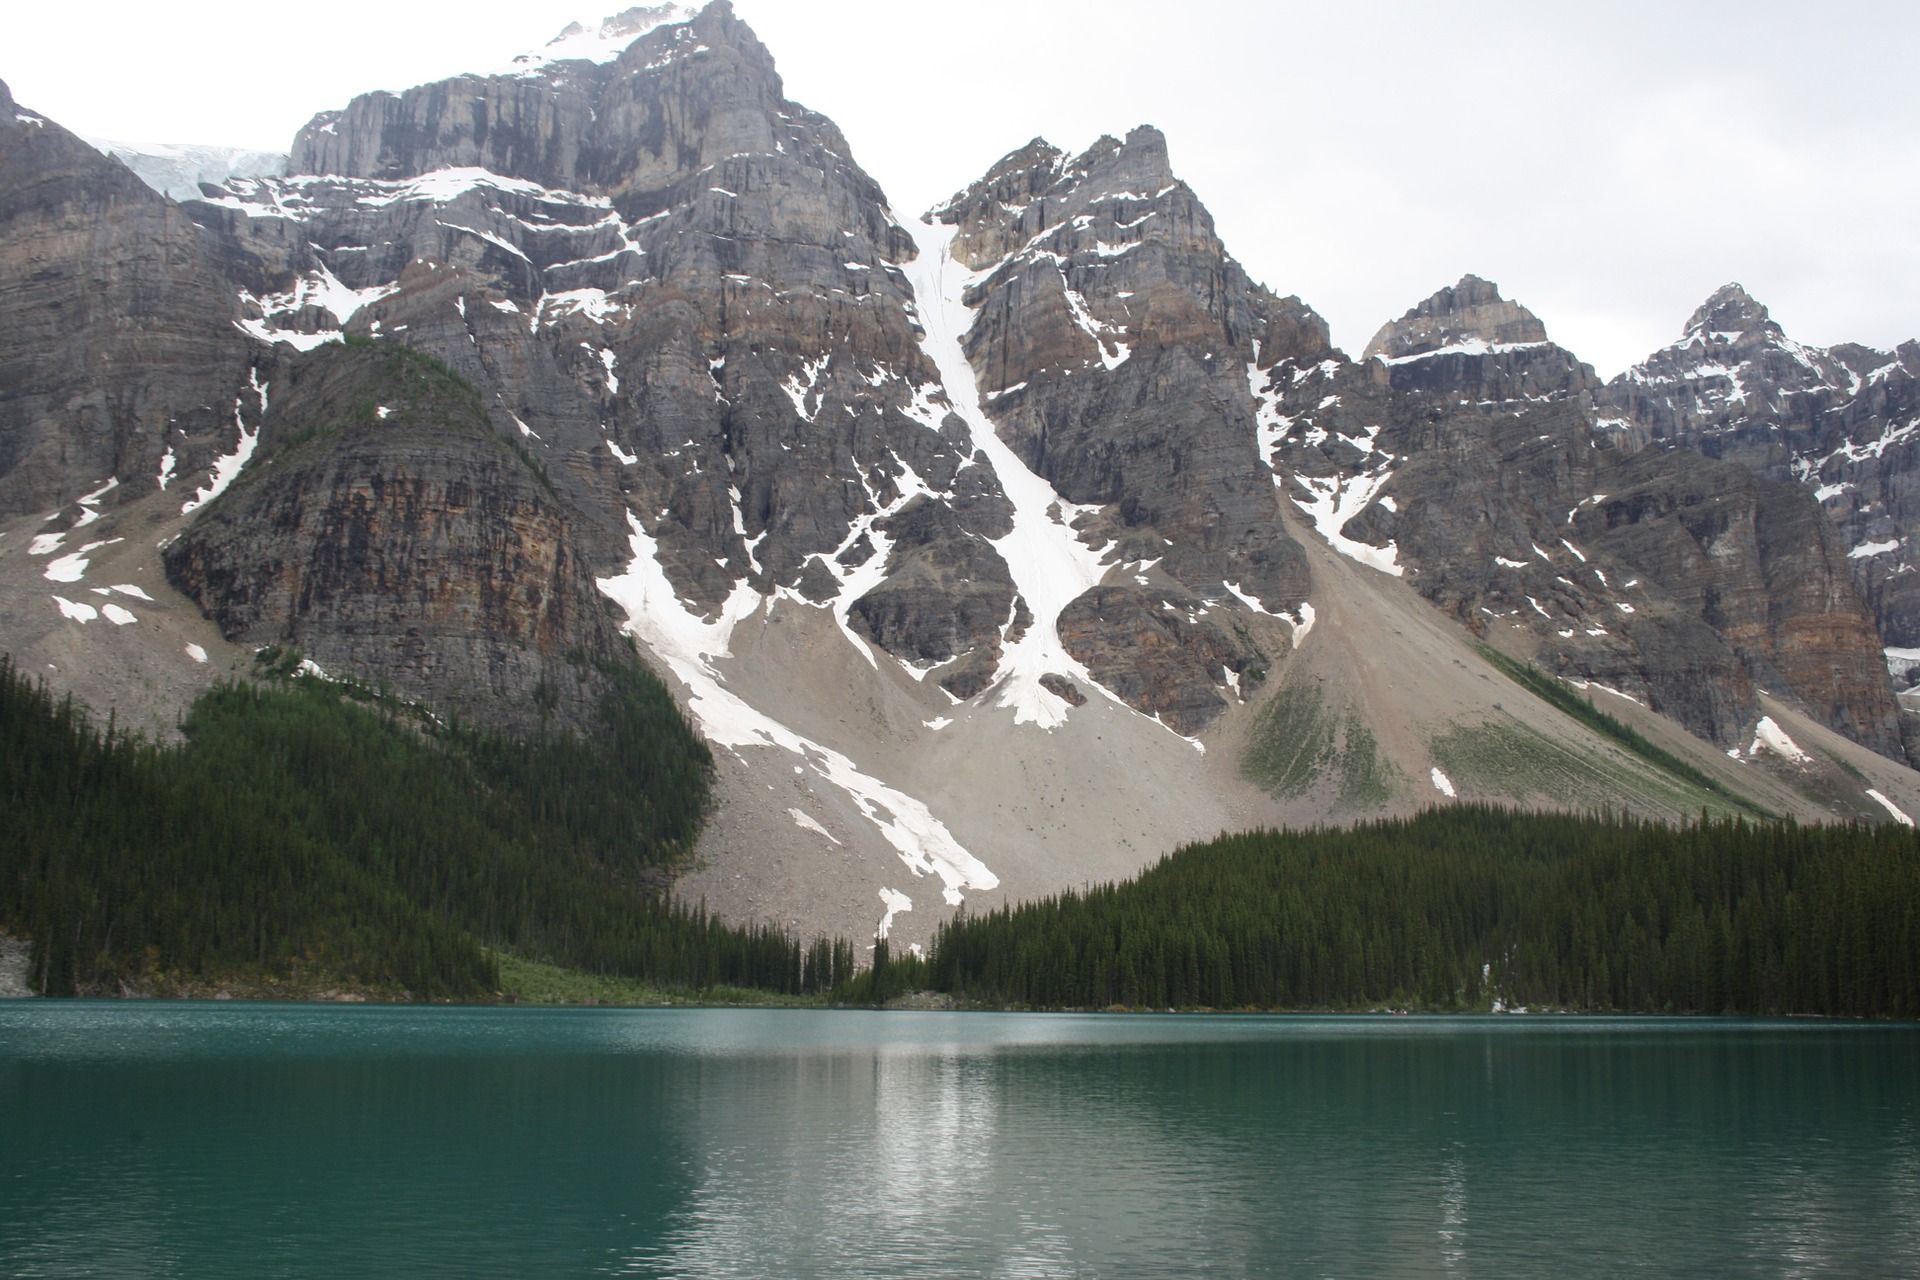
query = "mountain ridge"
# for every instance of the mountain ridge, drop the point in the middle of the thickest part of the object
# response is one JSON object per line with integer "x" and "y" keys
{"x": 987, "y": 551}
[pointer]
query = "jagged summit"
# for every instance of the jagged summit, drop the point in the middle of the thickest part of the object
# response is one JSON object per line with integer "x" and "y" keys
{"x": 1142, "y": 156}
{"x": 1138, "y": 164}
{"x": 1843, "y": 422}
{"x": 604, "y": 40}
{"x": 1729, "y": 313}
{"x": 1028, "y": 191}
{"x": 1471, "y": 311}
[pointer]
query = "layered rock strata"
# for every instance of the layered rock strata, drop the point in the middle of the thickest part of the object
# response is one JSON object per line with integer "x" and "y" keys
{"x": 383, "y": 529}
{"x": 120, "y": 365}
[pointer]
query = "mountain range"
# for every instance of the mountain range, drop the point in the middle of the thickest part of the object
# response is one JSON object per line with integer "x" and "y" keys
{"x": 994, "y": 550}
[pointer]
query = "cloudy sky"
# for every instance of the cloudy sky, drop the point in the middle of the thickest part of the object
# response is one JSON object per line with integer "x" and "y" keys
{"x": 1608, "y": 164}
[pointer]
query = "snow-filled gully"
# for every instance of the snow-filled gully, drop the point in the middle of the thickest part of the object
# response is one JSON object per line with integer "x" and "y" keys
{"x": 1050, "y": 566}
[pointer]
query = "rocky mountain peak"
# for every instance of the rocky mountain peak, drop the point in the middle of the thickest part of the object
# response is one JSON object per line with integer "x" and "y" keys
{"x": 1471, "y": 311}
{"x": 1842, "y": 422}
{"x": 1730, "y": 312}
{"x": 598, "y": 110}
{"x": 6, "y": 97}
{"x": 1015, "y": 180}
{"x": 602, "y": 41}
{"x": 1139, "y": 163}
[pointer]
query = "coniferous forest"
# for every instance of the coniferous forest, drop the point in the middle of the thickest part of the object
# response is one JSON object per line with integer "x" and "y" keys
{"x": 309, "y": 827}
{"x": 306, "y": 826}
{"x": 1462, "y": 907}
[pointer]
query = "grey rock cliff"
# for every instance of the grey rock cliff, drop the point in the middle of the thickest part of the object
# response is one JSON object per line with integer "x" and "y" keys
{"x": 1469, "y": 455}
{"x": 1843, "y": 422}
{"x": 120, "y": 358}
{"x": 1111, "y": 341}
{"x": 1469, "y": 312}
{"x": 386, "y": 531}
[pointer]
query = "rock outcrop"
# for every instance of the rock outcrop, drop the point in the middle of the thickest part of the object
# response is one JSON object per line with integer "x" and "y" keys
{"x": 1467, "y": 456}
{"x": 1470, "y": 314}
{"x": 386, "y": 531}
{"x": 1111, "y": 340}
{"x": 1842, "y": 422}
{"x": 120, "y": 361}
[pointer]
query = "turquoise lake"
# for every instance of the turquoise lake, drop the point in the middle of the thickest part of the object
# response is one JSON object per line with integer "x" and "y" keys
{"x": 214, "y": 1140}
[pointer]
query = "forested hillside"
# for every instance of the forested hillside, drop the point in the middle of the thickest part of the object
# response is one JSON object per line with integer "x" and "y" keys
{"x": 309, "y": 829}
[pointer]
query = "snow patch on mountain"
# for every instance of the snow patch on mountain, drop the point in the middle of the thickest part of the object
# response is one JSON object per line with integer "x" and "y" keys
{"x": 1334, "y": 500}
{"x": 1270, "y": 424}
{"x": 1051, "y": 566}
{"x": 691, "y": 647}
{"x": 895, "y": 902}
{"x": 227, "y": 467}
{"x": 1769, "y": 736}
{"x": 178, "y": 169}
{"x": 600, "y": 42}
{"x": 1898, "y": 815}
{"x": 806, "y": 822}
{"x": 1465, "y": 347}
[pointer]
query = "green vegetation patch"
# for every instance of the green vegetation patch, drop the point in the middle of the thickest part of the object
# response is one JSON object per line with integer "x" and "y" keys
{"x": 530, "y": 982}
{"x": 1563, "y": 697}
{"x": 1366, "y": 780}
{"x": 1506, "y": 757}
{"x": 383, "y": 391}
{"x": 1295, "y": 741}
{"x": 1291, "y": 743}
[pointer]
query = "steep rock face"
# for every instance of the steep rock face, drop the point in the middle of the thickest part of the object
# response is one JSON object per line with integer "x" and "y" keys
{"x": 946, "y": 594}
{"x": 1111, "y": 340}
{"x": 1843, "y": 422}
{"x": 384, "y": 528}
{"x": 1758, "y": 563}
{"x": 1472, "y": 463}
{"x": 120, "y": 361}
{"x": 668, "y": 91}
{"x": 1159, "y": 651}
{"x": 1471, "y": 312}
{"x": 676, "y": 289}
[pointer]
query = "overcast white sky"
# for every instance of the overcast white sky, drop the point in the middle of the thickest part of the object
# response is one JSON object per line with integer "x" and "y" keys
{"x": 1608, "y": 164}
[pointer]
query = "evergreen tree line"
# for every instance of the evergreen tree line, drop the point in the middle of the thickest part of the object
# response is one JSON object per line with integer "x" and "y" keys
{"x": 1464, "y": 906}
{"x": 306, "y": 827}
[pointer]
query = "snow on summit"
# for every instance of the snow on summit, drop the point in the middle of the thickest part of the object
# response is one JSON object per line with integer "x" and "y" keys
{"x": 603, "y": 41}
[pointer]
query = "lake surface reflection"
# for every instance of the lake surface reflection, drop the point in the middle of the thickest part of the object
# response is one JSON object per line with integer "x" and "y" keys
{"x": 220, "y": 1140}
